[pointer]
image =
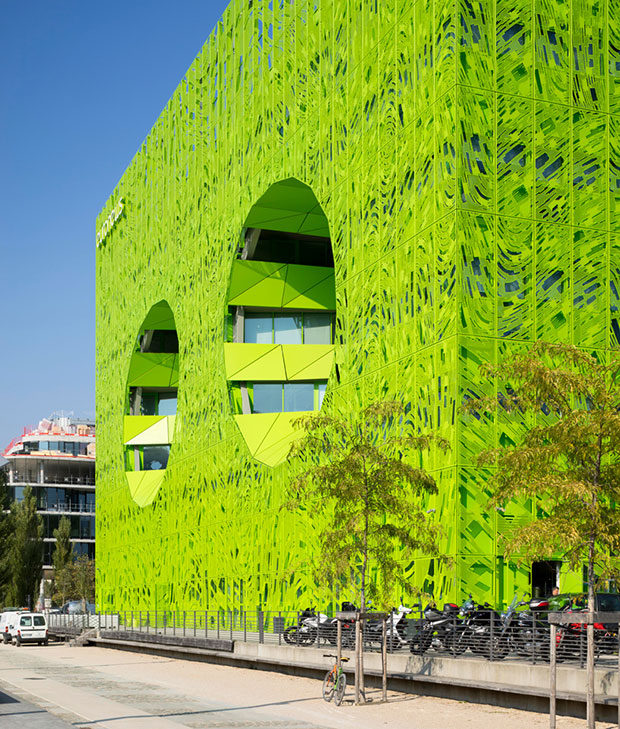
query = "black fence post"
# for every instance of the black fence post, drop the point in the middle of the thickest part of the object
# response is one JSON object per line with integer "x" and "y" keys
{"x": 261, "y": 626}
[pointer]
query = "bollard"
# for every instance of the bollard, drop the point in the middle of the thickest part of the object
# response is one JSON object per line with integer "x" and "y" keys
{"x": 261, "y": 626}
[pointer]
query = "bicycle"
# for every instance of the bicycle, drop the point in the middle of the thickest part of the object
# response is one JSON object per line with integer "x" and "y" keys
{"x": 335, "y": 681}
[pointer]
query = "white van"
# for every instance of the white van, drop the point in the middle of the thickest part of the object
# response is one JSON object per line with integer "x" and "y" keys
{"x": 7, "y": 620}
{"x": 29, "y": 628}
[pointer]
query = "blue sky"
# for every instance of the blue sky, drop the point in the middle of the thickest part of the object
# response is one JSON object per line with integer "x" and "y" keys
{"x": 81, "y": 85}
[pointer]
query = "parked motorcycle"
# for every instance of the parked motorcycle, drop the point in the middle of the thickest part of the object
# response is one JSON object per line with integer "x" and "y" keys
{"x": 308, "y": 624}
{"x": 436, "y": 629}
{"x": 478, "y": 629}
{"x": 395, "y": 627}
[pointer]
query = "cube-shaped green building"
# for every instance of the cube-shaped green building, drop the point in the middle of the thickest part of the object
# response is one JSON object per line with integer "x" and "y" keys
{"x": 344, "y": 202}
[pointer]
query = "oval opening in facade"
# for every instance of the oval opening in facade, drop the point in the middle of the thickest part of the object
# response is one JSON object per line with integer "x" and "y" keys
{"x": 151, "y": 403}
{"x": 280, "y": 318}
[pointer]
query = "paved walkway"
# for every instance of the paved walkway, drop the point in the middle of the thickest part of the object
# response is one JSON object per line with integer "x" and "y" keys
{"x": 99, "y": 687}
{"x": 16, "y": 713}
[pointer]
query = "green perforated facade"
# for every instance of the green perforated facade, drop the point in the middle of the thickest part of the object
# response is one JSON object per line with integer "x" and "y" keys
{"x": 462, "y": 162}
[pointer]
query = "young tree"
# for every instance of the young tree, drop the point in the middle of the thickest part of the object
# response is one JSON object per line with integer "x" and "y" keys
{"x": 63, "y": 584}
{"x": 83, "y": 569}
{"x": 6, "y": 532}
{"x": 359, "y": 478}
{"x": 26, "y": 550}
{"x": 370, "y": 497}
{"x": 62, "y": 559}
{"x": 569, "y": 459}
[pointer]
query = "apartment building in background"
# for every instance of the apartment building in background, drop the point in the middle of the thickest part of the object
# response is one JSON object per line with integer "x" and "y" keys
{"x": 57, "y": 459}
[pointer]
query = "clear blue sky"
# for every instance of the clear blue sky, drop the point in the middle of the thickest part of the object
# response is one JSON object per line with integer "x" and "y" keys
{"x": 81, "y": 85}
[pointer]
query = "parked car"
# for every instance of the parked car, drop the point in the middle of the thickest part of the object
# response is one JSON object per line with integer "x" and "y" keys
{"x": 572, "y": 636}
{"x": 76, "y": 607}
{"x": 29, "y": 628}
{"x": 7, "y": 620}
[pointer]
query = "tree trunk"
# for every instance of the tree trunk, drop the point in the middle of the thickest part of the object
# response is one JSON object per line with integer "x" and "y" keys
{"x": 590, "y": 707}
{"x": 590, "y": 711}
{"x": 363, "y": 605}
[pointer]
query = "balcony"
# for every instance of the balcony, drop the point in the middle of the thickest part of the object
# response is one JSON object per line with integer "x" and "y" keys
{"x": 68, "y": 508}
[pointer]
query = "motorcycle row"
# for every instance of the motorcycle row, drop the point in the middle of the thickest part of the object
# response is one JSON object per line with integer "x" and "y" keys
{"x": 453, "y": 629}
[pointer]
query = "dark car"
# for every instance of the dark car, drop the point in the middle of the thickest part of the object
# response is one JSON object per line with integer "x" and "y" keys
{"x": 606, "y": 602}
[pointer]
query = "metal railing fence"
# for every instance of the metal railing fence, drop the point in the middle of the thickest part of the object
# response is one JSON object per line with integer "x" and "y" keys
{"x": 523, "y": 636}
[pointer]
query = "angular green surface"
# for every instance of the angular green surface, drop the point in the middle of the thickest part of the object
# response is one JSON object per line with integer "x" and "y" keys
{"x": 466, "y": 158}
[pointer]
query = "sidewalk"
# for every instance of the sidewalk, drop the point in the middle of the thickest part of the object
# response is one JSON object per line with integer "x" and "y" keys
{"x": 120, "y": 690}
{"x": 16, "y": 713}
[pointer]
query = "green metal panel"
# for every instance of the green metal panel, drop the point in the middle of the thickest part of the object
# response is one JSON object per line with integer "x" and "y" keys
{"x": 464, "y": 159}
{"x": 262, "y": 283}
{"x": 153, "y": 369}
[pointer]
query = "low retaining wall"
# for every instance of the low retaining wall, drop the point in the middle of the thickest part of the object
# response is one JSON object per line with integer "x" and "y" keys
{"x": 209, "y": 644}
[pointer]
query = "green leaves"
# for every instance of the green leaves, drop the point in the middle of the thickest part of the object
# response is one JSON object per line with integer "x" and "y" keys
{"x": 26, "y": 550}
{"x": 361, "y": 474}
{"x": 569, "y": 460}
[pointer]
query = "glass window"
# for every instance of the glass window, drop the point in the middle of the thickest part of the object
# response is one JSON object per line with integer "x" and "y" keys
{"x": 44, "y": 445}
{"x": 322, "y": 387}
{"x": 317, "y": 328}
{"x": 267, "y": 398}
{"x": 258, "y": 329}
{"x": 161, "y": 340}
{"x": 87, "y": 527}
{"x": 149, "y": 403}
{"x": 298, "y": 396}
{"x": 155, "y": 457}
{"x": 287, "y": 329}
{"x": 167, "y": 403}
{"x": 25, "y": 621}
{"x": 39, "y": 620}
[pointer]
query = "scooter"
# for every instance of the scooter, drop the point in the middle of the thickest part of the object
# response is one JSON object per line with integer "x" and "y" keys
{"x": 307, "y": 627}
{"x": 395, "y": 629}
